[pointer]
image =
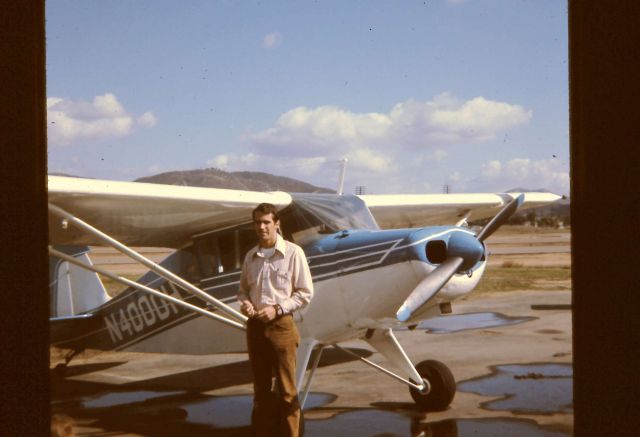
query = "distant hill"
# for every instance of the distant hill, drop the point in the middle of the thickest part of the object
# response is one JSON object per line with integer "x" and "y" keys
{"x": 239, "y": 180}
{"x": 528, "y": 190}
{"x": 58, "y": 173}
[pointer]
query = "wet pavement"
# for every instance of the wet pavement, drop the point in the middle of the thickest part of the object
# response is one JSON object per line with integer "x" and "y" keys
{"x": 512, "y": 366}
{"x": 170, "y": 413}
{"x": 462, "y": 322}
{"x": 541, "y": 388}
{"x": 525, "y": 389}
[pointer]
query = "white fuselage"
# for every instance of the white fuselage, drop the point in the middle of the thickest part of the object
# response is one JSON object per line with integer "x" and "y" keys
{"x": 343, "y": 308}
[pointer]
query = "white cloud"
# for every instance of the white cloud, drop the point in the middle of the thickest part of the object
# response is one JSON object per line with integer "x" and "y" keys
{"x": 403, "y": 150}
{"x": 309, "y": 165}
{"x": 71, "y": 121}
{"x": 233, "y": 162}
{"x": 446, "y": 121}
{"x": 440, "y": 154}
{"x": 147, "y": 120}
{"x": 491, "y": 168}
{"x": 456, "y": 176}
{"x": 520, "y": 173}
{"x": 272, "y": 40}
{"x": 307, "y": 132}
{"x": 367, "y": 159}
{"x": 220, "y": 161}
{"x": 440, "y": 122}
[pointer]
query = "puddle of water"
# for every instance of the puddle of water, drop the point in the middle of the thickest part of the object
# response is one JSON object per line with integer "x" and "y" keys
{"x": 123, "y": 398}
{"x": 463, "y": 322}
{"x": 235, "y": 411}
{"x": 386, "y": 423}
{"x": 503, "y": 428}
{"x": 532, "y": 388}
{"x": 360, "y": 423}
{"x": 178, "y": 411}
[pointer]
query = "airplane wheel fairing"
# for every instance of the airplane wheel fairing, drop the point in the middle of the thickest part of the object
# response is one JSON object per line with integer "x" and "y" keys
{"x": 443, "y": 386}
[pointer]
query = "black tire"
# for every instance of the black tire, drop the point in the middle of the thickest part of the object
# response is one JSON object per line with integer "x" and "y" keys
{"x": 443, "y": 386}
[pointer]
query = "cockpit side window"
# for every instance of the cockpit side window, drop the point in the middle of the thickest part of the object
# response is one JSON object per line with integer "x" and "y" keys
{"x": 224, "y": 251}
{"x": 208, "y": 256}
{"x": 247, "y": 239}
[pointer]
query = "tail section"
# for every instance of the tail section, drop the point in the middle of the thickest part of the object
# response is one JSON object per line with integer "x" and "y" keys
{"x": 73, "y": 290}
{"x": 84, "y": 317}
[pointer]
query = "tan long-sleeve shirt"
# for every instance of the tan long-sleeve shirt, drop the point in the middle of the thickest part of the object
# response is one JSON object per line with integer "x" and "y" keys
{"x": 284, "y": 278}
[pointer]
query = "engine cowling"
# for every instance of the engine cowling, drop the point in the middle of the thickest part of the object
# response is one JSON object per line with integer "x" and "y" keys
{"x": 462, "y": 244}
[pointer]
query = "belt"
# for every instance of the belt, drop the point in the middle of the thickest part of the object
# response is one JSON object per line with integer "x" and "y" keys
{"x": 256, "y": 320}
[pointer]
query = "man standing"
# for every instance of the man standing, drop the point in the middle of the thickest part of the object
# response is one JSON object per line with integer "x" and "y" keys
{"x": 275, "y": 282}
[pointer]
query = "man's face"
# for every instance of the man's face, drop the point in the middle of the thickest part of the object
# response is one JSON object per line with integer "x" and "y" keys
{"x": 265, "y": 228}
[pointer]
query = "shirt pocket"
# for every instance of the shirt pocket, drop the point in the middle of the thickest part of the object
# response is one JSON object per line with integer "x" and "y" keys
{"x": 282, "y": 279}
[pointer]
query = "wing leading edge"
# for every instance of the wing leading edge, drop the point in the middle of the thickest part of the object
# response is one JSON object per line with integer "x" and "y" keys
{"x": 417, "y": 210}
{"x": 153, "y": 215}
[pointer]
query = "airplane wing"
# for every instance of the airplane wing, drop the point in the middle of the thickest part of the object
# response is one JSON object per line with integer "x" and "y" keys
{"x": 416, "y": 210}
{"x": 153, "y": 215}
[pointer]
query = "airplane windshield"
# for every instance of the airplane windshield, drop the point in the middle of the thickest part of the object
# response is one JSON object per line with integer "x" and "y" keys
{"x": 307, "y": 219}
{"x": 313, "y": 216}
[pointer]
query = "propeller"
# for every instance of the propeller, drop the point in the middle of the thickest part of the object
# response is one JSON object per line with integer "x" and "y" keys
{"x": 500, "y": 218}
{"x": 430, "y": 285}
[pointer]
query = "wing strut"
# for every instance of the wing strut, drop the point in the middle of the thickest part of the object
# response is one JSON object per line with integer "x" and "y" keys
{"x": 144, "y": 288}
{"x": 161, "y": 271}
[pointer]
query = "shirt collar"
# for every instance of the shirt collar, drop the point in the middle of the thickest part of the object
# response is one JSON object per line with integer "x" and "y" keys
{"x": 281, "y": 246}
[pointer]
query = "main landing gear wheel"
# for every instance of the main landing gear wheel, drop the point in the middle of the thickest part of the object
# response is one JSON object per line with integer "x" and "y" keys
{"x": 442, "y": 390}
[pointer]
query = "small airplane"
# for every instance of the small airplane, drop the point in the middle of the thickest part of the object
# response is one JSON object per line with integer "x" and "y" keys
{"x": 378, "y": 262}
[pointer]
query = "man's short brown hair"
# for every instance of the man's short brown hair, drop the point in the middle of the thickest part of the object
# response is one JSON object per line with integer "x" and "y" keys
{"x": 266, "y": 208}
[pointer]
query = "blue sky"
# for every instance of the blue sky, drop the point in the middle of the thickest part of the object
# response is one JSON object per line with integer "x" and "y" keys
{"x": 415, "y": 94}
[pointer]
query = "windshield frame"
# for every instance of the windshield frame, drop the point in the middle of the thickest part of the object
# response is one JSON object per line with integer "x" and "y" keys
{"x": 312, "y": 216}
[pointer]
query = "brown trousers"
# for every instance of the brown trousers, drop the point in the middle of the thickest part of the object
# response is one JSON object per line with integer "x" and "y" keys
{"x": 272, "y": 350}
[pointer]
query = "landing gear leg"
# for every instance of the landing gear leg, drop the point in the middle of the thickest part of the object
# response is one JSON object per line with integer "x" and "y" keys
{"x": 431, "y": 383}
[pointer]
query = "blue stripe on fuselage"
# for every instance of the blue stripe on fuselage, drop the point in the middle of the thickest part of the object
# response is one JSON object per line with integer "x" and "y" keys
{"x": 129, "y": 318}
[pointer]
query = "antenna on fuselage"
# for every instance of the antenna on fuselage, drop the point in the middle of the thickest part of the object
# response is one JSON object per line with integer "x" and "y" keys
{"x": 343, "y": 169}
